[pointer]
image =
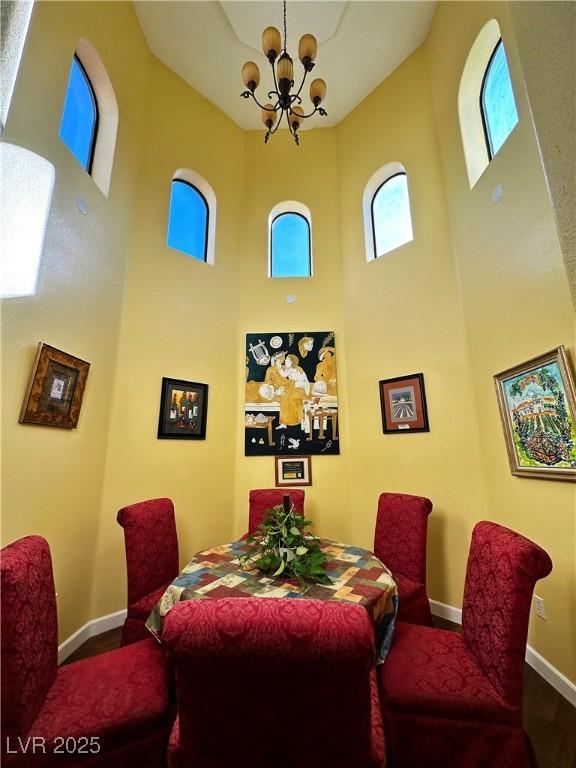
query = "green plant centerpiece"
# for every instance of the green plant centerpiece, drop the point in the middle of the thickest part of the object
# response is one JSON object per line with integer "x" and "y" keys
{"x": 281, "y": 546}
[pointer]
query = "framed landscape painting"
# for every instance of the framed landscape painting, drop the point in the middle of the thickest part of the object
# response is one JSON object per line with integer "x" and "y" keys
{"x": 538, "y": 410}
{"x": 403, "y": 403}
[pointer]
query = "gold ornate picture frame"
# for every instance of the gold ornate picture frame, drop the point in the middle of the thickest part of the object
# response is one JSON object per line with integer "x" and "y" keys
{"x": 537, "y": 403}
{"x": 56, "y": 389}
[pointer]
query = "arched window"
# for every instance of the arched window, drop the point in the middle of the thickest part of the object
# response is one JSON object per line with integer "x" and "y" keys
{"x": 188, "y": 220}
{"x": 191, "y": 217}
{"x": 486, "y": 105}
{"x": 80, "y": 116}
{"x": 290, "y": 240}
{"x": 386, "y": 204}
{"x": 497, "y": 105}
{"x": 90, "y": 116}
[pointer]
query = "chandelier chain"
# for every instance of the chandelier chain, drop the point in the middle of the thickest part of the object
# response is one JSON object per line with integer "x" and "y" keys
{"x": 285, "y": 43}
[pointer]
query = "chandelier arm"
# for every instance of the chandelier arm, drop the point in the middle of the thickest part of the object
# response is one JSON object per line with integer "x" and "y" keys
{"x": 292, "y": 131}
{"x": 277, "y": 91}
{"x": 276, "y": 126}
{"x": 261, "y": 105}
{"x": 302, "y": 83}
{"x": 294, "y": 98}
{"x": 316, "y": 109}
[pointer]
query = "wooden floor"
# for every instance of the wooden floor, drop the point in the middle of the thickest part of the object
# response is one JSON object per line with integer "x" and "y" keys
{"x": 549, "y": 719}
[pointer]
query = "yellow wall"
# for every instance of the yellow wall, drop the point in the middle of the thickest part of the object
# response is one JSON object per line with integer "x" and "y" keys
{"x": 307, "y": 174}
{"x": 179, "y": 321}
{"x": 52, "y": 478}
{"x": 480, "y": 288}
{"x": 403, "y": 316}
{"x": 516, "y": 304}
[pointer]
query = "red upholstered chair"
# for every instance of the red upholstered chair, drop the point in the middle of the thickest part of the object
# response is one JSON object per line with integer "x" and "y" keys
{"x": 265, "y": 498}
{"x": 451, "y": 699}
{"x": 151, "y": 560}
{"x": 112, "y": 707}
{"x": 264, "y": 682}
{"x": 400, "y": 542}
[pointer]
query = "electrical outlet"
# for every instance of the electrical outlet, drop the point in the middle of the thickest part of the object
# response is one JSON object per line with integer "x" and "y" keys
{"x": 539, "y": 605}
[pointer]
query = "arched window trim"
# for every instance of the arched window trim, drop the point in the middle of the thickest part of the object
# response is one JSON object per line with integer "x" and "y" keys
{"x": 485, "y": 124}
{"x": 207, "y": 207}
{"x": 299, "y": 209}
{"x": 374, "y": 184}
{"x": 197, "y": 181}
{"x": 104, "y": 143}
{"x": 394, "y": 175}
{"x": 95, "y": 123}
{"x": 475, "y": 144}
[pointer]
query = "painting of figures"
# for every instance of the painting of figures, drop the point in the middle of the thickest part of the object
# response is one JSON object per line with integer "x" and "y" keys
{"x": 537, "y": 406}
{"x": 291, "y": 404}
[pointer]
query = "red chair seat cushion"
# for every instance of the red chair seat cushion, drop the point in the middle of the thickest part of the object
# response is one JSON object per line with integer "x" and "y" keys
{"x": 142, "y": 608}
{"x": 431, "y": 671}
{"x": 116, "y": 697}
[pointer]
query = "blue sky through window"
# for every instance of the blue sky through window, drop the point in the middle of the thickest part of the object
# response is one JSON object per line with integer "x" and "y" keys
{"x": 187, "y": 220}
{"x": 78, "y": 126}
{"x": 391, "y": 215}
{"x": 498, "y": 105}
{"x": 290, "y": 252}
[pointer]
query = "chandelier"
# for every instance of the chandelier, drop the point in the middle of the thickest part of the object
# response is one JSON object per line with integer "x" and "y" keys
{"x": 283, "y": 100}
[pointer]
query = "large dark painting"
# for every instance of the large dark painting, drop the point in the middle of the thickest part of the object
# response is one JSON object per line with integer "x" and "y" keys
{"x": 291, "y": 394}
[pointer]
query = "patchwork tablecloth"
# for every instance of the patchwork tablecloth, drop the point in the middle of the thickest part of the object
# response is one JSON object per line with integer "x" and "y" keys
{"x": 357, "y": 576}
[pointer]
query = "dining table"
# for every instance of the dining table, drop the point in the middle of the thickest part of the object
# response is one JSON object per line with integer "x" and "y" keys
{"x": 356, "y": 575}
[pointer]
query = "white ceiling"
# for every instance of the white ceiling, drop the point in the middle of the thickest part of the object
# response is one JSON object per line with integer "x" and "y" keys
{"x": 360, "y": 44}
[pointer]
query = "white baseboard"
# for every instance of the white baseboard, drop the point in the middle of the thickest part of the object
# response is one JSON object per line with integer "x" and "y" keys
{"x": 446, "y": 611}
{"x": 91, "y": 628}
{"x": 556, "y": 679}
{"x": 552, "y": 676}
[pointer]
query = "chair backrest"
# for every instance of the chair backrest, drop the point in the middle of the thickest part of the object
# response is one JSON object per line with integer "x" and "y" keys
{"x": 262, "y": 499}
{"x": 151, "y": 546}
{"x": 502, "y": 569}
{"x": 400, "y": 535}
{"x": 289, "y": 678}
{"x": 29, "y": 638}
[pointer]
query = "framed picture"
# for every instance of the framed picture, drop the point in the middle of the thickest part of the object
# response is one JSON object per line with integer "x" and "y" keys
{"x": 293, "y": 470}
{"x": 183, "y": 409}
{"x": 54, "y": 395}
{"x": 538, "y": 411}
{"x": 291, "y": 394}
{"x": 403, "y": 403}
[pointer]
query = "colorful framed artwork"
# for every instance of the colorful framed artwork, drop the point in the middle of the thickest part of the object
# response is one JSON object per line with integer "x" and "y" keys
{"x": 183, "y": 410}
{"x": 293, "y": 470}
{"x": 56, "y": 389}
{"x": 403, "y": 404}
{"x": 537, "y": 405}
{"x": 291, "y": 399}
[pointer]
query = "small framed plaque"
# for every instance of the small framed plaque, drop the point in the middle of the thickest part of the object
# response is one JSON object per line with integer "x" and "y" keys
{"x": 293, "y": 470}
